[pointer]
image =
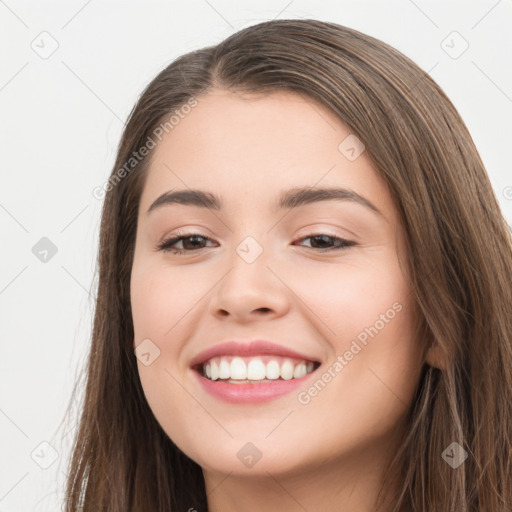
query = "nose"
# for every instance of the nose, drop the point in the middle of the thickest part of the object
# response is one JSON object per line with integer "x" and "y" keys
{"x": 250, "y": 291}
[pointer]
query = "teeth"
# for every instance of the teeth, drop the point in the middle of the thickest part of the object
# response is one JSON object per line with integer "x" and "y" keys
{"x": 287, "y": 370}
{"x": 214, "y": 370}
{"x": 224, "y": 369}
{"x": 299, "y": 371}
{"x": 238, "y": 369}
{"x": 255, "y": 370}
{"x": 273, "y": 371}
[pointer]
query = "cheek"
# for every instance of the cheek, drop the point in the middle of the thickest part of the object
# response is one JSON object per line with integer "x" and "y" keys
{"x": 366, "y": 313}
{"x": 159, "y": 301}
{"x": 161, "y": 298}
{"x": 367, "y": 387}
{"x": 344, "y": 298}
{"x": 167, "y": 399}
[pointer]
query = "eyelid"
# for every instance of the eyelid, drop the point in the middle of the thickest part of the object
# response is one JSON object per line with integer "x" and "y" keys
{"x": 309, "y": 233}
{"x": 178, "y": 234}
{"x": 344, "y": 242}
{"x": 341, "y": 243}
{"x": 318, "y": 230}
{"x": 186, "y": 232}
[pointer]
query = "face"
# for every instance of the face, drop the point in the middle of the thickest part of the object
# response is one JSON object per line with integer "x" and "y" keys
{"x": 320, "y": 279}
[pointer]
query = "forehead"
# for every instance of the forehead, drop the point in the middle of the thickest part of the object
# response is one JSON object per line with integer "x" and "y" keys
{"x": 248, "y": 147}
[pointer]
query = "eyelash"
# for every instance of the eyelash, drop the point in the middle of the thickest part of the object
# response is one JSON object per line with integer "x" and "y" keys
{"x": 165, "y": 246}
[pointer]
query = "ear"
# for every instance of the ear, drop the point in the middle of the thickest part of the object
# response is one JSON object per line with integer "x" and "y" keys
{"x": 435, "y": 356}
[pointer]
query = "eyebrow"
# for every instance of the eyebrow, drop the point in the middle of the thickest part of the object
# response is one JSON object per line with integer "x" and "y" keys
{"x": 288, "y": 199}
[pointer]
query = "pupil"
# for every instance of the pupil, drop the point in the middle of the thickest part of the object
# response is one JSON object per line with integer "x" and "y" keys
{"x": 191, "y": 238}
{"x": 322, "y": 238}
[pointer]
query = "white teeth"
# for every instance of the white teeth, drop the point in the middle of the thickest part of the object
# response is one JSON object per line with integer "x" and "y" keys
{"x": 255, "y": 370}
{"x": 224, "y": 369}
{"x": 273, "y": 371}
{"x": 287, "y": 370}
{"x": 238, "y": 368}
{"x": 300, "y": 371}
{"x": 214, "y": 370}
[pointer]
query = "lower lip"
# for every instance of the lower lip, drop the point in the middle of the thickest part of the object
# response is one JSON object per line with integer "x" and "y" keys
{"x": 250, "y": 393}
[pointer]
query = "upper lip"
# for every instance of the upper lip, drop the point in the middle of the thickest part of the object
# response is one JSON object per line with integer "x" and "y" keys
{"x": 247, "y": 348}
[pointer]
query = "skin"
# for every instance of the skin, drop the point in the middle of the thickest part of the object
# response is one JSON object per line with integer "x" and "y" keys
{"x": 328, "y": 454}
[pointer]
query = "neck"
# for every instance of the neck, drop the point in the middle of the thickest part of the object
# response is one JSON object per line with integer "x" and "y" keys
{"x": 347, "y": 484}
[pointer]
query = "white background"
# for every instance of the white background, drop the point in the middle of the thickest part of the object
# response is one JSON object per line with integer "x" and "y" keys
{"x": 61, "y": 120}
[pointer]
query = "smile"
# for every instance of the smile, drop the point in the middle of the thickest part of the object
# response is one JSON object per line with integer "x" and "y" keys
{"x": 241, "y": 371}
{"x": 254, "y": 370}
{"x": 251, "y": 391}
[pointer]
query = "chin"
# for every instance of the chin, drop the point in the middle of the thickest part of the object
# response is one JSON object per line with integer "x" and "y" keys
{"x": 246, "y": 458}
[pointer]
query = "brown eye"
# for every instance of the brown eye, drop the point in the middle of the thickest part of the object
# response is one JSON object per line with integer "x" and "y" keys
{"x": 324, "y": 242}
{"x": 193, "y": 242}
{"x": 190, "y": 243}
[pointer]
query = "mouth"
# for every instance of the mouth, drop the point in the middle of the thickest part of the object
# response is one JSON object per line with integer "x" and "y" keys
{"x": 255, "y": 370}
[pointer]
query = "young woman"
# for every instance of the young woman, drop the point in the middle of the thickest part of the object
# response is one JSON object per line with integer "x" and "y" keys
{"x": 304, "y": 297}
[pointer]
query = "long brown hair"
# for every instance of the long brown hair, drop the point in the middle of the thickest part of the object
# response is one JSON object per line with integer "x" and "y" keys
{"x": 459, "y": 251}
